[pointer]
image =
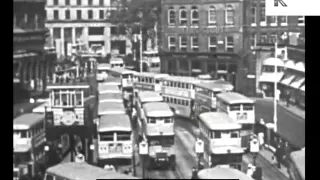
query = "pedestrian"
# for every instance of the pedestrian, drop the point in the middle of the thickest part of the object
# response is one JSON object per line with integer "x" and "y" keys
{"x": 250, "y": 170}
{"x": 257, "y": 174}
{"x": 261, "y": 139}
{"x": 194, "y": 173}
{"x": 288, "y": 98}
{"x": 278, "y": 156}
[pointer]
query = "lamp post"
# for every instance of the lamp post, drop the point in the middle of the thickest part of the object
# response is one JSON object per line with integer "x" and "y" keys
{"x": 143, "y": 151}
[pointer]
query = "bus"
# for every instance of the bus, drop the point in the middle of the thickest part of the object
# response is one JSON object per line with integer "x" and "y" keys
{"x": 222, "y": 173}
{"x": 153, "y": 59}
{"x": 297, "y": 165}
{"x": 125, "y": 75}
{"x": 241, "y": 109}
{"x": 110, "y": 87}
{"x": 117, "y": 62}
{"x": 158, "y": 131}
{"x": 178, "y": 92}
{"x": 114, "y": 138}
{"x": 110, "y": 97}
{"x": 222, "y": 140}
{"x": 147, "y": 81}
{"x": 111, "y": 108}
{"x": 29, "y": 140}
{"x": 205, "y": 95}
{"x": 102, "y": 71}
{"x": 81, "y": 171}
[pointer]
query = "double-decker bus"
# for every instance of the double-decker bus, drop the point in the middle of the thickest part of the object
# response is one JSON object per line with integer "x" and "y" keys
{"x": 297, "y": 165}
{"x": 106, "y": 108}
{"x": 222, "y": 140}
{"x": 114, "y": 139}
{"x": 144, "y": 97}
{"x": 205, "y": 95}
{"x": 125, "y": 75}
{"x": 29, "y": 139}
{"x": 178, "y": 92}
{"x": 241, "y": 109}
{"x": 222, "y": 173}
{"x": 147, "y": 81}
{"x": 158, "y": 131}
{"x": 153, "y": 60}
{"x": 117, "y": 62}
{"x": 103, "y": 71}
{"x": 81, "y": 171}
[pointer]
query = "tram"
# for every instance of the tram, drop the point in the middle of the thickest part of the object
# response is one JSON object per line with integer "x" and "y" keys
{"x": 222, "y": 141}
{"x": 241, "y": 109}
{"x": 29, "y": 140}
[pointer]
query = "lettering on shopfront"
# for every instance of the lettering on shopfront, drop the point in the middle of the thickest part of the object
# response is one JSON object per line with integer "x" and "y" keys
{"x": 28, "y": 38}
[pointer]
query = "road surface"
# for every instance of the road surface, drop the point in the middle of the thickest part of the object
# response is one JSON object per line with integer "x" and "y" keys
{"x": 290, "y": 126}
{"x": 185, "y": 135}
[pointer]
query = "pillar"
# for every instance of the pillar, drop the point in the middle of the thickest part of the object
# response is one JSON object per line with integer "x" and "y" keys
{"x": 107, "y": 39}
{"x": 228, "y": 75}
{"x": 24, "y": 71}
{"x": 30, "y": 71}
{"x": 204, "y": 67}
{"x": 62, "y": 41}
{"x": 73, "y": 35}
{"x": 189, "y": 67}
{"x": 217, "y": 68}
{"x": 37, "y": 71}
{"x": 51, "y": 39}
{"x": 178, "y": 70}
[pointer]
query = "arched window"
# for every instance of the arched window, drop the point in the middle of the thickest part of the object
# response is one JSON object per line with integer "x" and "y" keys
{"x": 171, "y": 16}
{"x": 212, "y": 15}
{"x": 194, "y": 16}
{"x": 230, "y": 15}
{"x": 183, "y": 16}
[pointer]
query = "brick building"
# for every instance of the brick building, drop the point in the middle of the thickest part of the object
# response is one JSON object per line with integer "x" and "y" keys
{"x": 200, "y": 37}
{"x": 85, "y": 22}
{"x": 30, "y": 65}
{"x": 262, "y": 32}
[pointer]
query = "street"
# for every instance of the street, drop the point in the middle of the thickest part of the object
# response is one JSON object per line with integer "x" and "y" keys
{"x": 290, "y": 126}
{"x": 185, "y": 135}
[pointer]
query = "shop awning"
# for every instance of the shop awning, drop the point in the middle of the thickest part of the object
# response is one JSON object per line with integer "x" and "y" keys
{"x": 297, "y": 82}
{"x": 286, "y": 80}
{"x": 270, "y": 77}
{"x": 22, "y": 55}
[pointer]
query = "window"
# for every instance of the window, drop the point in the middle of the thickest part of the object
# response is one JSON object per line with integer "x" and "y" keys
{"x": 106, "y": 136}
{"x": 194, "y": 43}
{"x": 123, "y": 136}
{"x": 67, "y": 2}
{"x": 272, "y": 38}
{"x": 263, "y": 14}
{"x": 55, "y": 2}
{"x": 194, "y": 16}
{"x": 229, "y": 44}
{"x": 253, "y": 15}
{"x": 229, "y": 15}
{"x": 101, "y": 14}
{"x": 171, "y": 16}
{"x": 253, "y": 40}
{"x": 263, "y": 38}
{"x": 183, "y": 16}
{"x": 90, "y": 14}
{"x": 101, "y": 2}
{"x": 55, "y": 14}
{"x": 247, "y": 107}
{"x": 234, "y": 107}
{"x": 171, "y": 43}
{"x": 152, "y": 120}
{"x": 90, "y": 2}
{"x": 235, "y": 134}
{"x": 79, "y": 14}
{"x": 300, "y": 20}
{"x": 213, "y": 44}
{"x": 183, "y": 43}
{"x": 67, "y": 14}
{"x": 212, "y": 15}
{"x": 217, "y": 134}
{"x": 268, "y": 69}
{"x": 78, "y": 2}
{"x": 273, "y": 20}
{"x": 56, "y": 33}
{"x": 284, "y": 20}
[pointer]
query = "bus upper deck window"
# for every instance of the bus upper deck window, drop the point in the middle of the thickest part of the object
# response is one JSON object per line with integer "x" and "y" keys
{"x": 234, "y": 134}
{"x": 79, "y": 99}
{"x": 187, "y": 86}
{"x": 157, "y": 81}
{"x": 217, "y": 135}
{"x": 151, "y": 120}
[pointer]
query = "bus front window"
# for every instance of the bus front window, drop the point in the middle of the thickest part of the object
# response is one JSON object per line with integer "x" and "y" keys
{"x": 247, "y": 107}
{"x": 21, "y": 133}
{"x": 235, "y": 107}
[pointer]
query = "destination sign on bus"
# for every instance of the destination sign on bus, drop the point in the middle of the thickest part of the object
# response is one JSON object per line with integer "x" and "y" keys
{"x": 144, "y": 86}
{"x": 180, "y": 93}
{"x": 241, "y": 116}
{"x": 115, "y": 148}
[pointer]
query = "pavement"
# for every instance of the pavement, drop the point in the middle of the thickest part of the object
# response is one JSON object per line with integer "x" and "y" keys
{"x": 186, "y": 137}
{"x": 291, "y": 125}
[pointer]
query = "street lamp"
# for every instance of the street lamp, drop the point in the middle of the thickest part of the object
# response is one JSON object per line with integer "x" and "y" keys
{"x": 143, "y": 151}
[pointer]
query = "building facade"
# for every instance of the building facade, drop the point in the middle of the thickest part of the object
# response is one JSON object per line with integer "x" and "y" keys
{"x": 84, "y": 21}
{"x": 262, "y": 32}
{"x": 30, "y": 65}
{"x": 202, "y": 37}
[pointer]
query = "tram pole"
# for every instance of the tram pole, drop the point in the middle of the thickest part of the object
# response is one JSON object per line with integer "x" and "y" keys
{"x": 275, "y": 117}
{"x": 141, "y": 70}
